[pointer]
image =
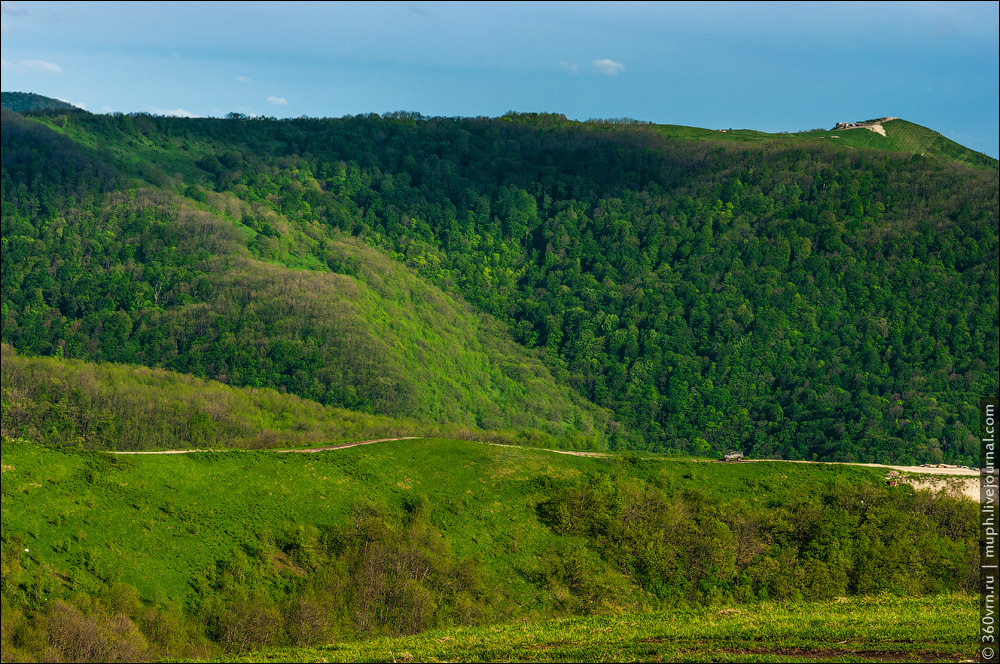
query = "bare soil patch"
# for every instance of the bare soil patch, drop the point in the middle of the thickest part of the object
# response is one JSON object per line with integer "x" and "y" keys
{"x": 922, "y": 470}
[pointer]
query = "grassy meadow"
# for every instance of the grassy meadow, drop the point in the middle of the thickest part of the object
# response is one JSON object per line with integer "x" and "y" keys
{"x": 248, "y": 553}
{"x": 157, "y": 522}
{"x": 866, "y": 629}
{"x": 900, "y": 136}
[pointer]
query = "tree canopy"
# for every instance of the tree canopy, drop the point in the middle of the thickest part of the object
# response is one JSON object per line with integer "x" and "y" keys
{"x": 791, "y": 298}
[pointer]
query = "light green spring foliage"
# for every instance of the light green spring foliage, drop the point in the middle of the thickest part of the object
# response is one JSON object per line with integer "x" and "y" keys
{"x": 236, "y": 551}
{"x": 126, "y": 407}
{"x": 123, "y": 407}
{"x": 792, "y": 295}
{"x": 371, "y": 335}
{"x": 252, "y": 253}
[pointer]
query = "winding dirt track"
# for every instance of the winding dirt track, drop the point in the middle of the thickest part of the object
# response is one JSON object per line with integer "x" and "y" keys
{"x": 922, "y": 470}
{"x": 305, "y": 450}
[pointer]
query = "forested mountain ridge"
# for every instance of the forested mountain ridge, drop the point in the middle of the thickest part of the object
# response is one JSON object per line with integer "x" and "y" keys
{"x": 29, "y": 101}
{"x": 793, "y": 297}
{"x": 142, "y": 275}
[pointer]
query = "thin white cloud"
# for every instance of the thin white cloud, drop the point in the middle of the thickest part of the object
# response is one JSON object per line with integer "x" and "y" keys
{"x": 31, "y": 67}
{"x": 72, "y": 103}
{"x": 177, "y": 112}
{"x": 608, "y": 67}
{"x": 243, "y": 79}
{"x": 277, "y": 101}
{"x": 570, "y": 67}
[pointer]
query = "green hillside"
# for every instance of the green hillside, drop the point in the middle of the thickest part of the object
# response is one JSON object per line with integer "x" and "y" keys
{"x": 657, "y": 294}
{"x": 128, "y": 407}
{"x": 28, "y": 101}
{"x": 205, "y": 553}
{"x": 150, "y": 277}
{"x": 900, "y": 136}
{"x": 910, "y": 138}
{"x": 632, "y": 285}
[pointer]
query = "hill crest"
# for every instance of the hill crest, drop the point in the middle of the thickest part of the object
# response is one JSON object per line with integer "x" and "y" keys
{"x": 24, "y": 102}
{"x": 903, "y": 136}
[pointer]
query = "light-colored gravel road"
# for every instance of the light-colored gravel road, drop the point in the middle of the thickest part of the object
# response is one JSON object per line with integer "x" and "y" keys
{"x": 923, "y": 470}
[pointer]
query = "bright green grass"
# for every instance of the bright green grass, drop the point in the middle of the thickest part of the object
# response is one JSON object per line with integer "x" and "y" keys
{"x": 157, "y": 522}
{"x": 901, "y": 136}
{"x": 83, "y": 520}
{"x": 885, "y": 628}
{"x": 160, "y": 522}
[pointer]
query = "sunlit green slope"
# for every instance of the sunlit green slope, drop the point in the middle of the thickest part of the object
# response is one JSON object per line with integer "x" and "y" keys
{"x": 233, "y": 551}
{"x": 129, "y": 407}
{"x": 320, "y": 314}
{"x": 798, "y": 296}
{"x": 900, "y": 136}
{"x": 903, "y": 136}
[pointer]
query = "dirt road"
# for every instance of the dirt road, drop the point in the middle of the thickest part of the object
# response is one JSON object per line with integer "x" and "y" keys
{"x": 971, "y": 472}
{"x": 305, "y": 450}
{"x": 956, "y": 481}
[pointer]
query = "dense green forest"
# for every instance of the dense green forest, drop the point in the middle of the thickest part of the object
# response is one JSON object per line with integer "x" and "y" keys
{"x": 792, "y": 297}
{"x": 145, "y": 276}
{"x": 114, "y": 558}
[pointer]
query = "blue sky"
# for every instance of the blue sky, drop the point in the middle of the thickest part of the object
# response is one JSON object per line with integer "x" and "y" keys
{"x": 765, "y": 66}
